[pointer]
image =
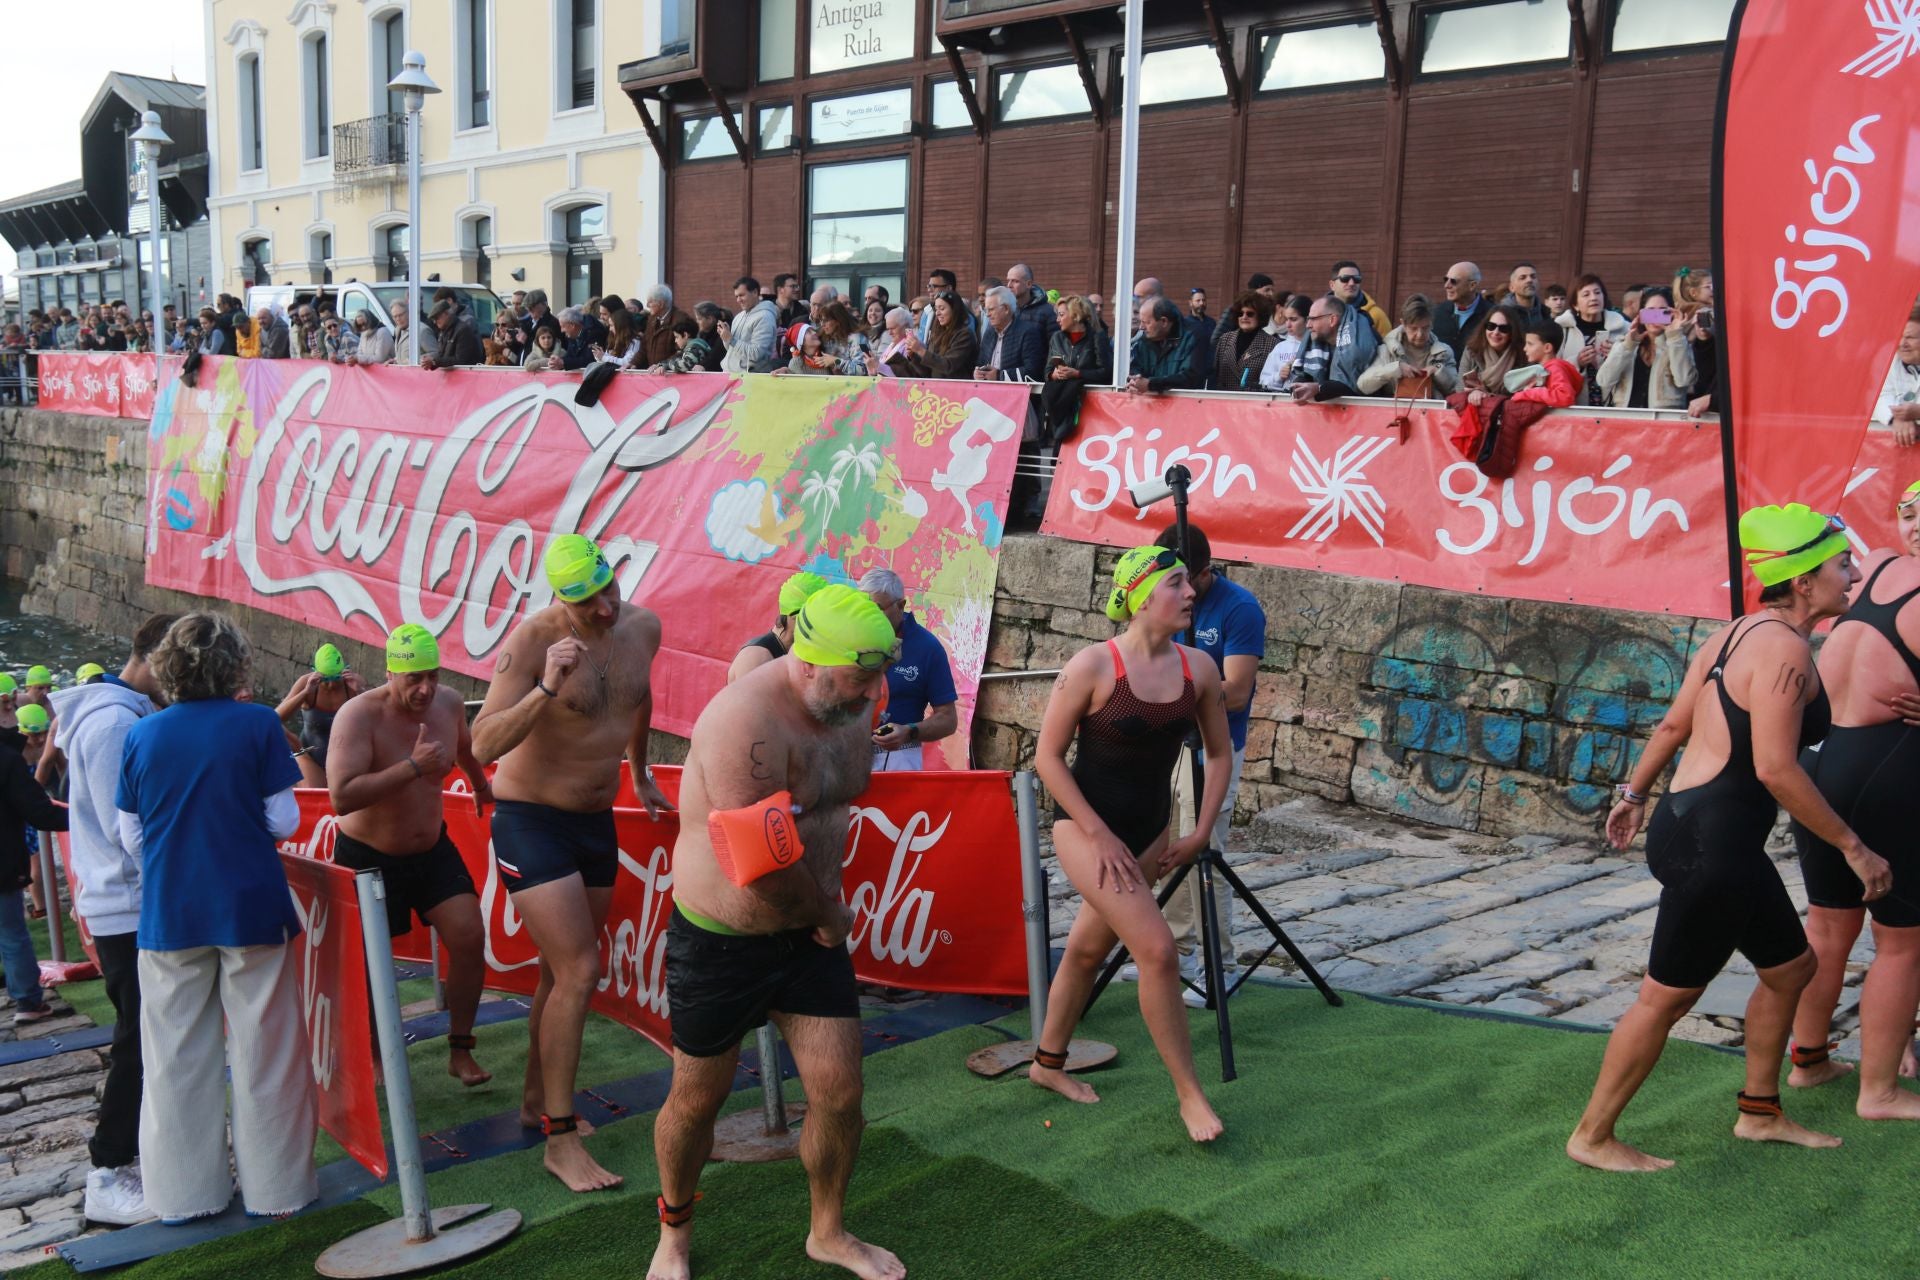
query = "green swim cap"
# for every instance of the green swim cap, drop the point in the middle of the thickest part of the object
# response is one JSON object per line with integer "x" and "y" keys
{"x": 795, "y": 591}
{"x": 412, "y": 648}
{"x": 1908, "y": 498}
{"x": 1784, "y": 542}
{"x": 33, "y": 718}
{"x": 839, "y": 626}
{"x": 38, "y": 677}
{"x": 1135, "y": 577}
{"x": 88, "y": 672}
{"x": 8, "y": 684}
{"x": 575, "y": 567}
{"x": 329, "y": 663}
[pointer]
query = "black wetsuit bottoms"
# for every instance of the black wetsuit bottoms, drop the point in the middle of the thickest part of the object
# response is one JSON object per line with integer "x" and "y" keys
{"x": 1870, "y": 775}
{"x": 416, "y": 883}
{"x": 722, "y": 985}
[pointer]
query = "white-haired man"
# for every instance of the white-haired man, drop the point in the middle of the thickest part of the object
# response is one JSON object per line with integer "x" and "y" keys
{"x": 921, "y": 702}
{"x": 661, "y": 315}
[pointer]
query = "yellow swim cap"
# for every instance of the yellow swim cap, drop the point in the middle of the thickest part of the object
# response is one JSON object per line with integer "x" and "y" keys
{"x": 33, "y": 718}
{"x": 411, "y": 648}
{"x": 839, "y": 626}
{"x": 8, "y": 684}
{"x": 575, "y": 567}
{"x": 329, "y": 663}
{"x": 88, "y": 672}
{"x": 1784, "y": 542}
{"x": 795, "y": 591}
{"x": 1911, "y": 496}
{"x": 39, "y": 677}
{"x": 1135, "y": 576}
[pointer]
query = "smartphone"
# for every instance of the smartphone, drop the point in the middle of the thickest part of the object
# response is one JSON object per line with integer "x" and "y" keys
{"x": 1054, "y": 362}
{"x": 1656, "y": 315}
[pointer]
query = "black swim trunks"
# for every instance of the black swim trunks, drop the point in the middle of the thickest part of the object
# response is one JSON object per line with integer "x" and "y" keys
{"x": 416, "y": 883}
{"x": 721, "y": 986}
{"x": 537, "y": 843}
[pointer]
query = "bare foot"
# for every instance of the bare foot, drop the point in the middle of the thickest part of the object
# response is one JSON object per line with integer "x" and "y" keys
{"x": 1614, "y": 1156}
{"x": 1818, "y": 1074}
{"x": 672, "y": 1260}
{"x": 1202, "y": 1124}
{"x": 868, "y": 1261}
{"x": 462, "y": 1067}
{"x": 531, "y": 1120}
{"x": 1897, "y": 1104}
{"x": 567, "y": 1160}
{"x": 1062, "y": 1083}
{"x": 1781, "y": 1129}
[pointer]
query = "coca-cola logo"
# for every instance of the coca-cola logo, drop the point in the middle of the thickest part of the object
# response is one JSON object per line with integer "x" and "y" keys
{"x": 636, "y": 969}
{"x": 317, "y": 843}
{"x": 316, "y": 1006}
{"x": 892, "y": 919}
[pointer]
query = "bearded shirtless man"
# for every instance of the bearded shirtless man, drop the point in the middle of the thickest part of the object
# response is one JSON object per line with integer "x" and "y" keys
{"x": 391, "y": 746}
{"x": 571, "y": 695}
{"x": 776, "y": 946}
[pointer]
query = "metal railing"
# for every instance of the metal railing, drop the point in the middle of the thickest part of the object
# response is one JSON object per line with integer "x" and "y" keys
{"x": 373, "y": 143}
{"x": 18, "y": 383}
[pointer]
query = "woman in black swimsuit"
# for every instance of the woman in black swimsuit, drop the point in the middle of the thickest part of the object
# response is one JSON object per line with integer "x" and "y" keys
{"x": 1706, "y": 845}
{"x": 1131, "y": 703}
{"x": 1869, "y": 771}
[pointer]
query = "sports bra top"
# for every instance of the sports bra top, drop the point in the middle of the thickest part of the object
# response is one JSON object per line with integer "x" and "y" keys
{"x": 1152, "y": 727}
{"x": 1815, "y": 721}
{"x": 770, "y": 642}
{"x": 1884, "y": 618}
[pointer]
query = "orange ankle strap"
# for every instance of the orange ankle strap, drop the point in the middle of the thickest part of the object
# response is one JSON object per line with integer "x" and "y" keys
{"x": 1811, "y": 1057}
{"x": 1753, "y": 1104}
{"x": 676, "y": 1215}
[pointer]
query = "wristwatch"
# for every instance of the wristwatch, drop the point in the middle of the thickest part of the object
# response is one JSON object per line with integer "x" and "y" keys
{"x": 913, "y": 733}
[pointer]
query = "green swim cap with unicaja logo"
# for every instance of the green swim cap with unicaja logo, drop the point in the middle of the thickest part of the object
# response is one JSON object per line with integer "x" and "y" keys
{"x": 796, "y": 591}
{"x": 839, "y": 626}
{"x": 329, "y": 663}
{"x": 575, "y": 567}
{"x": 412, "y": 648}
{"x": 1782, "y": 543}
{"x": 1135, "y": 576}
{"x": 33, "y": 718}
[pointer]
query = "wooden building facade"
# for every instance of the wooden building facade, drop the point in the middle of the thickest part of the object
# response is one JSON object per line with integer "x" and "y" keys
{"x": 1279, "y": 136}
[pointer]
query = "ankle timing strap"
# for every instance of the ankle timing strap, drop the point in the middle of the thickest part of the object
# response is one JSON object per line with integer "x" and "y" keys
{"x": 462, "y": 1042}
{"x": 676, "y": 1215}
{"x": 1051, "y": 1061}
{"x": 1754, "y": 1104}
{"x": 1812, "y": 1057}
{"x": 551, "y": 1125}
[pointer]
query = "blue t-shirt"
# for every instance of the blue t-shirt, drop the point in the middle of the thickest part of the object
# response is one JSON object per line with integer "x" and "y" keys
{"x": 922, "y": 677}
{"x": 198, "y": 776}
{"x": 1228, "y": 621}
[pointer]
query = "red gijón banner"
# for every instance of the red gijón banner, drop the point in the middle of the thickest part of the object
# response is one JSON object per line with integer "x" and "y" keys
{"x": 931, "y": 873}
{"x": 333, "y": 999}
{"x": 106, "y": 384}
{"x": 1817, "y": 224}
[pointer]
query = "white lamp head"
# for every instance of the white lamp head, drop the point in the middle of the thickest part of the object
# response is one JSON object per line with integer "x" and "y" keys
{"x": 150, "y": 131}
{"x": 413, "y": 77}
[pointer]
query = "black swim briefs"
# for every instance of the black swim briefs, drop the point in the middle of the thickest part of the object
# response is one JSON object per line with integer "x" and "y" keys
{"x": 721, "y": 986}
{"x": 416, "y": 883}
{"x": 537, "y": 843}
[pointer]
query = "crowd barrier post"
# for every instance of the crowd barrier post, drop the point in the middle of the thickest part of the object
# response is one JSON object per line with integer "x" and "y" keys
{"x": 774, "y": 1134}
{"x": 50, "y": 893}
{"x": 422, "y": 1237}
{"x": 998, "y": 1059}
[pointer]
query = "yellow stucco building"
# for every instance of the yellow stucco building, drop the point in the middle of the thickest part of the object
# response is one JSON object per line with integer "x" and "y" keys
{"x": 535, "y": 172}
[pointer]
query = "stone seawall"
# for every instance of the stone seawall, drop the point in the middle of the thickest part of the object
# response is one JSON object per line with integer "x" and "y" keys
{"x": 1503, "y": 716}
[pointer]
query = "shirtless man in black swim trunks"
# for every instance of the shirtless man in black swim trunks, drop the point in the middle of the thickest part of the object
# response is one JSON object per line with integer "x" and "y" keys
{"x": 776, "y": 945}
{"x": 571, "y": 695}
{"x": 1750, "y": 702}
{"x": 1131, "y": 703}
{"x": 391, "y": 747}
{"x": 1869, "y": 771}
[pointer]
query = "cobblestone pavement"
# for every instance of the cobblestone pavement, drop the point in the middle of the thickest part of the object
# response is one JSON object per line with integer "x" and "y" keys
{"x": 1529, "y": 925}
{"x": 46, "y": 1116}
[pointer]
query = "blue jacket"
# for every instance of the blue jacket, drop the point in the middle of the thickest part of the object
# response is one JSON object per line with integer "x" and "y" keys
{"x": 1025, "y": 351}
{"x": 1174, "y": 367}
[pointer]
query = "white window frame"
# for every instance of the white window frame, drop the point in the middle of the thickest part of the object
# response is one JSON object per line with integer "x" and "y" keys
{"x": 570, "y": 123}
{"x": 313, "y": 20}
{"x": 470, "y": 139}
{"x": 248, "y": 40}
{"x": 377, "y": 231}
{"x": 316, "y": 261}
{"x": 377, "y": 76}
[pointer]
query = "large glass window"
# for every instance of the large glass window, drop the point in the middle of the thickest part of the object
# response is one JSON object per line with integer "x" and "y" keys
{"x": 483, "y": 251}
{"x": 843, "y": 34}
{"x": 254, "y": 256}
{"x": 949, "y": 109}
{"x": 319, "y": 97}
{"x": 321, "y": 251}
{"x": 885, "y": 114}
{"x": 775, "y": 131}
{"x": 584, "y": 228}
{"x": 676, "y": 28}
{"x": 1321, "y": 55}
{"x": 1180, "y": 75}
{"x": 252, "y": 150}
{"x": 778, "y": 22}
{"x": 857, "y": 224}
{"x": 1662, "y": 24}
{"x": 1035, "y": 93}
{"x": 583, "y": 69}
{"x": 705, "y": 138}
{"x": 1496, "y": 35}
{"x": 473, "y": 70}
{"x": 394, "y": 248}
{"x": 390, "y": 53}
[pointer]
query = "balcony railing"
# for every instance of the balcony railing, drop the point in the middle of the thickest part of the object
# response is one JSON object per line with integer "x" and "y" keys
{"x": 373, "y": 143}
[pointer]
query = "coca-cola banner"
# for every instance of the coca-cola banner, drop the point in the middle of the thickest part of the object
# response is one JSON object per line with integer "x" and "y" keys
{"x": 1816, "y": 206}
{"x": 356, "y": 499}
{"x": 1593, "y": 503}
{"x": 333, "y": 998}
{"x": 931, "y": 874}
{"x": 108, "y": 384}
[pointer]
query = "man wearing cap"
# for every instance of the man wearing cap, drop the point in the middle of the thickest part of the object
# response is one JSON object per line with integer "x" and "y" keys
{"x": 775, "y": 946}
{"x": 94, "y": 720}
{"x": 764, "y": 648}
{"x": 920, "y": 696}
{"x": 22, "y": 805}
{"x": 89, "y": 673}
{"x": 9, "y": 702}
{"x": 571, "y": 695}
{"x": 391, "y": 748}
{"x": 37, "y": 687}
{"x": 318, "y": 696}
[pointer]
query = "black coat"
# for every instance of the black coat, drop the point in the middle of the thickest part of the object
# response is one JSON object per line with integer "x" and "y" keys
{"x": 22, "y": 804}
{"x": 458, "y": 344}
{"x": 1455, "y": 334}
{"x": 1025, "y": 351}
{"x": 577, "y": 352}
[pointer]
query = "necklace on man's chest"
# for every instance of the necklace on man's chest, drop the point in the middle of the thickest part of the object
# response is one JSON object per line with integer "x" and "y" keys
{"x": 597, "y": 668}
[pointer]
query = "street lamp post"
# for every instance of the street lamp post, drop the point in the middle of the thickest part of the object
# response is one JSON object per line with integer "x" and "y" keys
{"x": 151, "y": 138}
{"x": 415, "y": 85}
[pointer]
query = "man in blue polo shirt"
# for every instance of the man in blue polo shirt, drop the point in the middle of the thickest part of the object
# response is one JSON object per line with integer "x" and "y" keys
{"x": 920, "y": 696}
{"x": 1230, "y": 627}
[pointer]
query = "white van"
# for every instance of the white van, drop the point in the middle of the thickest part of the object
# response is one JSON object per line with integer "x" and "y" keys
{"x": 376, "y": 298}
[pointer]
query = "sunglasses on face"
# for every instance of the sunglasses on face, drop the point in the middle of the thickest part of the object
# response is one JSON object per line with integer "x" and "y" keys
{"x": 1499, "y": 328}
{"x": 1249, "y": 315}
{"x": 1347, "y": 279}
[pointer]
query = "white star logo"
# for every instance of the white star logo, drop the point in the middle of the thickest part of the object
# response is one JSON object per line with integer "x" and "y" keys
{"x": 1336, "y": 489}
{"x": 1898, "y": 22}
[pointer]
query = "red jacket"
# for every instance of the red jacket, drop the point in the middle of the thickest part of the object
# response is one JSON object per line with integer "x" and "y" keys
{"x": 1561, "y": 389}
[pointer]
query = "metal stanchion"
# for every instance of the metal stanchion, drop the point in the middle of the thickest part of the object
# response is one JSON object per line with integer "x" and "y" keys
{"x": 422, "y": 1237}
{"x": 50, "y": 894}
{"x": 746, "y": 1138}
{"x": 998, "y": 1059}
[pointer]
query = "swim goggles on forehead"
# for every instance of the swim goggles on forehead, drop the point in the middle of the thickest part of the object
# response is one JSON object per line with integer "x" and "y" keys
{"x": 1167, "y": 558}
{"x": 1834, "y": 525}
{"x": 874, "y": 659}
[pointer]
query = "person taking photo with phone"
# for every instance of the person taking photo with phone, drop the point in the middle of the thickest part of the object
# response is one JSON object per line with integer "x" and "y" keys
{"x": 1653, "y": 368}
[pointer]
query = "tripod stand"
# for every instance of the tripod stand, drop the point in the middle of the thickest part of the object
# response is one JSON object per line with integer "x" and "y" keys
{"x": 1211, "y": 863}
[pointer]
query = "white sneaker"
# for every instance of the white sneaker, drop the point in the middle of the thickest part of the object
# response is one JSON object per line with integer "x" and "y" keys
{"x": 116, "y": 1197}
{"x": 1196, "y": 995}
{"x": 1129, "y": 972}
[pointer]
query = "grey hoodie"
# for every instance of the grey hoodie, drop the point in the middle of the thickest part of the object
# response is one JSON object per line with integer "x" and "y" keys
{"x": 91, "y": 727}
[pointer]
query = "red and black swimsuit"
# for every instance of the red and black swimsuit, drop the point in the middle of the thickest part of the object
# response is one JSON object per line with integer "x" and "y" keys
{"x": 1127, "y": 750}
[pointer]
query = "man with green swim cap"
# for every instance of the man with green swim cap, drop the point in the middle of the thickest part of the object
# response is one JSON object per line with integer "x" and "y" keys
{"x": 572, "y": 693}
{"x": 37, "y": 687}
{"x": 9, "y": 700}
{"x": 775, "y": 947}
{"x": 89, "y": 672}
{"x": 391, "y": 750}
{"x": 317, "y": 697}
{"x": 763, "y": 649}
